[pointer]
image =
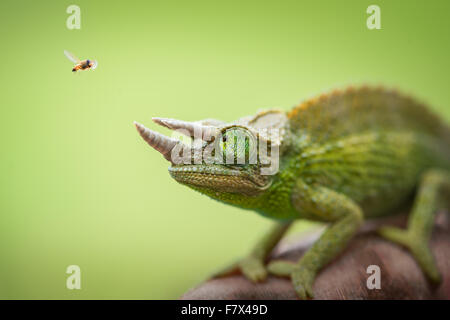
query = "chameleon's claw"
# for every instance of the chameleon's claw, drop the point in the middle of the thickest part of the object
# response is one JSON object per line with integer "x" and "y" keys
{"x": 303, "y": 280}
{"x": 253, "y": 269}
{"x": 418, "y": 246}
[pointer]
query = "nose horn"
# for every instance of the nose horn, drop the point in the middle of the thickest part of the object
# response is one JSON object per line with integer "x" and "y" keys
{"x": 157, "y": 141}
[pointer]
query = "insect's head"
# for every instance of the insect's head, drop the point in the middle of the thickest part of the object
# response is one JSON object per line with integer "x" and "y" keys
{"x": 92, "y": 64}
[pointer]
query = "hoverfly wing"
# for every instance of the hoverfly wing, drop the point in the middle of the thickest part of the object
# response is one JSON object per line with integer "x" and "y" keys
{"x": 71, "y": 57}
{"x": 94, "y": 64}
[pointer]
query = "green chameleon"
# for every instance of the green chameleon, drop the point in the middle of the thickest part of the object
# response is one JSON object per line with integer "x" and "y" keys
{"x": 341, "y": 157}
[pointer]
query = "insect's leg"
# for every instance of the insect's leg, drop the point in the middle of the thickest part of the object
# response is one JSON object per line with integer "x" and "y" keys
{"x": 252, "y": 266}
{"x": 326, "y": 205}
{"x": 433, "y": 194}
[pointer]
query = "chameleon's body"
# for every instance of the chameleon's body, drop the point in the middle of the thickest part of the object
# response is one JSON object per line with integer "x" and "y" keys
{"x": 353, "y": 154}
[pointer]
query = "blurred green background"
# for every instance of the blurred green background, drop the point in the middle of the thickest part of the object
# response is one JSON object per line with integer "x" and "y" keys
{"x": 79, "y": 186}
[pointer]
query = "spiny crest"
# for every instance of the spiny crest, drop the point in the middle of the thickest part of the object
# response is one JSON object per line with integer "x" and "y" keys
{"x": 325, "y": 97}
{"x": 352, "y": 110}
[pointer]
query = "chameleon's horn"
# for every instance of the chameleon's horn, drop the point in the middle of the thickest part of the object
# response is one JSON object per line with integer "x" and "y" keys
{"x": 192, "y": 129}
{"x": 158, "y": 141}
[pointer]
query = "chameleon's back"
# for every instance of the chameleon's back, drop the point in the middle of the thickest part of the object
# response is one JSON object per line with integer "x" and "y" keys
{"x": 353, "y": 110}
{"x": 370, "y": 144}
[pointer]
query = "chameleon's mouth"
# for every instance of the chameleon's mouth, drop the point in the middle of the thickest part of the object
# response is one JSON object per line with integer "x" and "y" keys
{"x": 220, "y": 178}
{"x": 203, "y": 169}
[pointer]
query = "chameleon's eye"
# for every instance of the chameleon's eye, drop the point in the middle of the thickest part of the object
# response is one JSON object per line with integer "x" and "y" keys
{"x": 237, "y": 145}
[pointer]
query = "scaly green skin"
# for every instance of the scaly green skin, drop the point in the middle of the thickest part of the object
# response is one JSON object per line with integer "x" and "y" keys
{"x": 344, "y": 157}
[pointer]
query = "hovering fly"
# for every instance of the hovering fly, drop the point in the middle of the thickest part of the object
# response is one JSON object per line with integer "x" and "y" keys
{"x": 80, "y": 65}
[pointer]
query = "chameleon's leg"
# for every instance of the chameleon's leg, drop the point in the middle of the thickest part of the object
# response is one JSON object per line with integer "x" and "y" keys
{"x": 327, "y": 205}
{"x": 252, "y": 266}
{"x": 433, "y": 194}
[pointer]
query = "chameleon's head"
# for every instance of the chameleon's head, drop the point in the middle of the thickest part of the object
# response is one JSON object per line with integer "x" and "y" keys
{"x": 228, "y": 162}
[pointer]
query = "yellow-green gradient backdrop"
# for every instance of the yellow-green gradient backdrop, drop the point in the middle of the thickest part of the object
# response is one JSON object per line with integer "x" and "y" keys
{"x": 79, "y": 186}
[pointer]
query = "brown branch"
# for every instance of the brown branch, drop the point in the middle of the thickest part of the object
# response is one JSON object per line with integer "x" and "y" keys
{"x": 345, "y": 277}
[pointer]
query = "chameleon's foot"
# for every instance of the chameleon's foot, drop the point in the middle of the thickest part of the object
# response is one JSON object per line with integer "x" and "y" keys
{"x": 251, "y": 267}
{"x": 417, "y": 246}
{"x": 302, "y": 278}
{"x": 433, "y": 194}
{"x": 281, "y": 268}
